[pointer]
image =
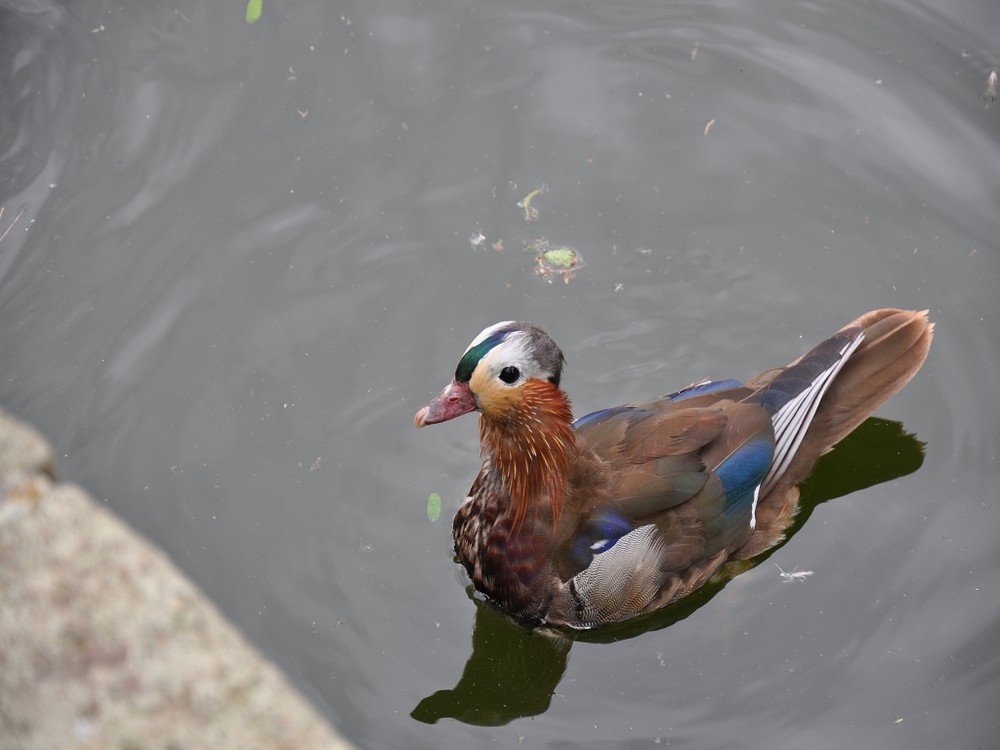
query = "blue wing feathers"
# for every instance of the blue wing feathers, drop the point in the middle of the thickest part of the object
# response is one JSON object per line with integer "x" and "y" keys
{"x": 692, "y": 391}
{"x": 598, "y": 416}
{"x": 788, "y": 402}
{"x": 600, "y": 534}
{"x": 701, "y": 389}
{"x": 743, "y": 471}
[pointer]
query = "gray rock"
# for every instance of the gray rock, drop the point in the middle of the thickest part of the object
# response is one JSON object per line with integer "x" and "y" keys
{"x": 104, "y": 643}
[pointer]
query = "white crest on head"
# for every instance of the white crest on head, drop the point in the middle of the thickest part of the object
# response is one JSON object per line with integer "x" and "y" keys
{"x": 514, "y": 351}
{"x": 487, "y": 332}
{"x": 524, "y": 347}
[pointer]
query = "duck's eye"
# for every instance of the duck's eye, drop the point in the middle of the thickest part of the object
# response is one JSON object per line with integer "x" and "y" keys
{"x": 510, "y": 374}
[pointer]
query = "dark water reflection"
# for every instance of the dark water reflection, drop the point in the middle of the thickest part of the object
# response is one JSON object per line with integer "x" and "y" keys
{"x": 244, "y": 262}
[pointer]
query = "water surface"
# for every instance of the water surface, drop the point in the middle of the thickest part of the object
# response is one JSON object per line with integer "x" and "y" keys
{"x": 245, "y": 261}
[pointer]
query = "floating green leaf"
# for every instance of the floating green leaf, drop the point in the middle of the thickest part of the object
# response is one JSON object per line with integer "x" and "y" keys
{"x": 253, "y": 10}
{"x": 434, "y": 507}
{"x": 554, "y": 261}
{"x": 563, "y": 257}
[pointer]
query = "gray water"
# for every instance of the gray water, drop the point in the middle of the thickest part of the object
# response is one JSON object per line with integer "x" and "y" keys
{"x": 244, "y": 261}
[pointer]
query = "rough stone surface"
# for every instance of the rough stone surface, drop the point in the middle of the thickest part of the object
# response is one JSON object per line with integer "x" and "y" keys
{"x": 105, "y": 644}
{"x": 22, "y": 449}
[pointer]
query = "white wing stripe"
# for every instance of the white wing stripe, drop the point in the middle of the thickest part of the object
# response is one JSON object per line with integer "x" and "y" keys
{"x": 792, "y": 421}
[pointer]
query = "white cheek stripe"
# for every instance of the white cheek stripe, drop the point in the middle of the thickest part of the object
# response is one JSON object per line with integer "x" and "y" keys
{"x": 514, "y": 350}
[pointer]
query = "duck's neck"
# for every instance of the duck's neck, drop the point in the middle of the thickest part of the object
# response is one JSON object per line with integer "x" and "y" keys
{"x": 531, "y": 450}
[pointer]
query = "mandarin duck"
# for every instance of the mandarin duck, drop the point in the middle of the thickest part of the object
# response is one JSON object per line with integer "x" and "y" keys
{"x": 628, "y": 509}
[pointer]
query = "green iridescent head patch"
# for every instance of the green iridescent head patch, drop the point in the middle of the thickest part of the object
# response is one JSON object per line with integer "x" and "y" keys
{"x": 467, "y": 365}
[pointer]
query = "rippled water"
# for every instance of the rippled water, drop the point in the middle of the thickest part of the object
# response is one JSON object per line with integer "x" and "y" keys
{"x": 244, "y": 261}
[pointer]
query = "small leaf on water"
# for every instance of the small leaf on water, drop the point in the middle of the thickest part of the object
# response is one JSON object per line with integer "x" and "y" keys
{"x": 434, "y": 507}
{"x": 563, "y": 257}
{"x": 253, "y": 10}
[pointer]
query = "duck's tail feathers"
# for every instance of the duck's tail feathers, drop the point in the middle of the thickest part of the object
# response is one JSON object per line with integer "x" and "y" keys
{"x": 887, "y": 349}
{"x": 796, "y": 392}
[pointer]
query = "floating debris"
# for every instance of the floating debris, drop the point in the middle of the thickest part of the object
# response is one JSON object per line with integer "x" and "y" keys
{"x": 694, "y": 52}
{"x": 991, "y": 86}
{"x": 253, "y": 11}
{"x": 7, "y": 230}
{"x": 708, "y": 125}
{"x": 498, "y": 246}
{"x": 530, "y": 212}
{"x": 476, "y": 239}
{"x": 555, "y": 261}
{"x": 795, "y": 575}
{"x": 433, "y": 507}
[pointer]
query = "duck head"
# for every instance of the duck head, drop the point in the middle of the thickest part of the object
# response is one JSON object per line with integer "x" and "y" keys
{"x": 500, "y": 371}
{"x": 510, "y": 374}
